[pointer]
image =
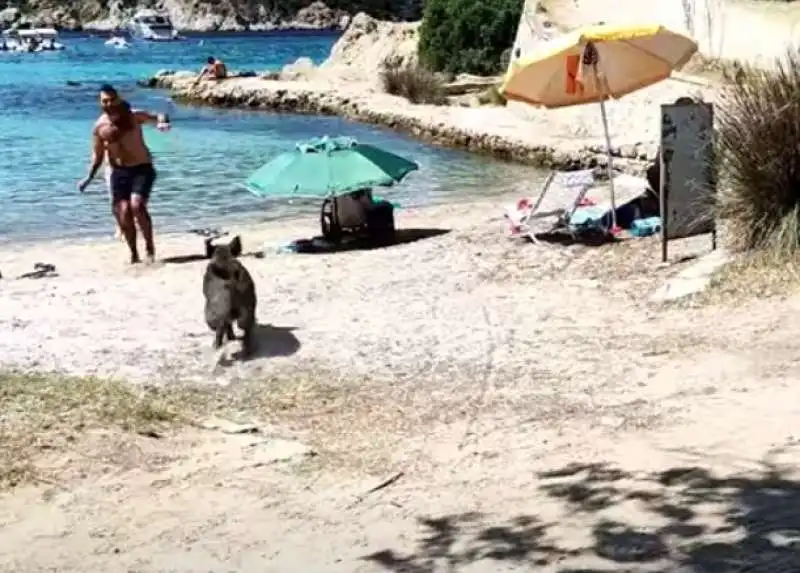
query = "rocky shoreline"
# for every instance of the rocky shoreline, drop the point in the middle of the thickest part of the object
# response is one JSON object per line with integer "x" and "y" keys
{"x": 306, "y": 98}
{"x": 496, "y": 131}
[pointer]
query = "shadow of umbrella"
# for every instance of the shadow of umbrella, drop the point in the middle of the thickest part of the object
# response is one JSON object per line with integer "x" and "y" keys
{"x": 318, "y": 246}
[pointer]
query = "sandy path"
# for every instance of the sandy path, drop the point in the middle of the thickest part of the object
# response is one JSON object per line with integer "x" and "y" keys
{"x": 471, "y": 363}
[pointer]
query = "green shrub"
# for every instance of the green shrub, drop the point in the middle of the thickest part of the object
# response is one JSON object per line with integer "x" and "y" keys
{"x": 468, "y": 36}
{"x": 758, "y": 136}
{"x": 413, "y": 82}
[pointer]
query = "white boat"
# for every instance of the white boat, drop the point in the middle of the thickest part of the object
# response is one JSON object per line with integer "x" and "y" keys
{"x": 31, "y": 40}
{"x": 152, "y": 26}
{"x": 117, "y": 42}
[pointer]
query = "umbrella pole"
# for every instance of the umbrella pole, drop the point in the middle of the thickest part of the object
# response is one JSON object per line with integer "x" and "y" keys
{"x": 610, "y": 164}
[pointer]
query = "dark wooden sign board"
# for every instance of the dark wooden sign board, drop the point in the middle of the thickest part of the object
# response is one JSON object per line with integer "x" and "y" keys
{"x": 688, "y": 172}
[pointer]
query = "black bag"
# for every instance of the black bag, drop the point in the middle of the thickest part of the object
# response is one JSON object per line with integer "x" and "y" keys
{"x": 380, "y": 222}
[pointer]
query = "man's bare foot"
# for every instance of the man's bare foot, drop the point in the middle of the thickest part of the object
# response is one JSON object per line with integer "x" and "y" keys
{"x": 135, "y": 258}
{"x": 150, "y": 258}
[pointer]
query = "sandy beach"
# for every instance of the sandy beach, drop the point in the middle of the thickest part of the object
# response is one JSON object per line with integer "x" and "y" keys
{"x": 464, "y": 365}
{"x": 421, "y": 307}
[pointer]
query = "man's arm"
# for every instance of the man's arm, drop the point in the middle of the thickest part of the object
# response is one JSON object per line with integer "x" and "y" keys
{"x": 98, "y": 156}
{"x": 147, "y": 117}
{"x": 203, "y": 73}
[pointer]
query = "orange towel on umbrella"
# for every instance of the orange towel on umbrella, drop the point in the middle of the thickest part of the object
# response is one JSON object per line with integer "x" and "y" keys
{"x": 573, "y": 86}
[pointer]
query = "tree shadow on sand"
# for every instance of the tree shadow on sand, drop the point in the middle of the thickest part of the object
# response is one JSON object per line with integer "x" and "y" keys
{"x": 454, "y": 541}
{"x": 702, "y": 523}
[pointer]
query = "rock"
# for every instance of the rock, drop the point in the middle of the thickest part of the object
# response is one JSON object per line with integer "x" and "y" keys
{"x": 627, "y": 151}
{"x": 368, "y": 45}
{"x": 362, "y": 52}
{"x": 647, "y": 151}
{"x": 301, "y": 69}
{"x": 693, "y": 279}
{"x": 465, "y": 83}
{"x": 275, "y": 450}
{"x": 229, "y": 427}
{"x": 156, "y": 80}
{"x": 8, "y": 16}
{"x": 317, "y": 16}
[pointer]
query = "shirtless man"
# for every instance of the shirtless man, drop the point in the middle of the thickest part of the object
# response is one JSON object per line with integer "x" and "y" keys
{"x": 117, "y": 136}
{"x": 214, "y": 69}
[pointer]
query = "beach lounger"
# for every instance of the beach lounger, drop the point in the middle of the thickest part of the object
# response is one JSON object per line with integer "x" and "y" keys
{"x": 577, "y": 214}
{"x": 525, "y": 212}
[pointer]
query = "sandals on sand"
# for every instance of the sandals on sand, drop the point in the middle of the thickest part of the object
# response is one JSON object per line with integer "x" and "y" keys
{"x": 40, "y": 270}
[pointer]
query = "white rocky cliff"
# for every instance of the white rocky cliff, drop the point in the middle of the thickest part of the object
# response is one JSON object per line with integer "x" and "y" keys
{"x": 206, "y": 15}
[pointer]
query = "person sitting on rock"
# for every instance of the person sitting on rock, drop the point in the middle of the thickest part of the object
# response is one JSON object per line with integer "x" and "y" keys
{"x": 214, "y": 69}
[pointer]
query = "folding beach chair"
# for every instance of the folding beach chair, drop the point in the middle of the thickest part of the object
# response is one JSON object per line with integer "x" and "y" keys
{"x": 524, "y": 213}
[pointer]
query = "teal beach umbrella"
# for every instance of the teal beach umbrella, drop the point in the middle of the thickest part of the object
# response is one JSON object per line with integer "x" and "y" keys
{"x": 328, "y": 167}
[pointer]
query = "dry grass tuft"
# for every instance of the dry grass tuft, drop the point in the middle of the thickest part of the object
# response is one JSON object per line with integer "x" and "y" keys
{"x": 759, "y": 127}
{"x": 750, "y": 276}
{"x": 49, "y": 414}
{"x": 39, "y": 409}
{"x": 414, "y": 83}
{"x": 755, "y": 275}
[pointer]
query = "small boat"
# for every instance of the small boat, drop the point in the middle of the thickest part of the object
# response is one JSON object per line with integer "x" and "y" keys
{"x": 152, "y": 26}
{"x": 31, "y": 40}
{"x": 117, "y": 42}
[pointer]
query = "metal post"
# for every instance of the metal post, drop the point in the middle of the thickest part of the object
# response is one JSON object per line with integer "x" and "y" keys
{"x": 610, "y": 164}
{"x": 713, "y": 166}
{"x": 662, "y": 200}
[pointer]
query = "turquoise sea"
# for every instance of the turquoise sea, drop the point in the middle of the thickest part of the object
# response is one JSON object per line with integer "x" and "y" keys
{"x": 45, "y": 124}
